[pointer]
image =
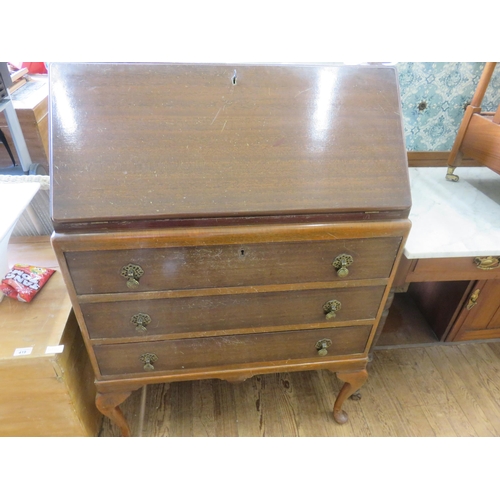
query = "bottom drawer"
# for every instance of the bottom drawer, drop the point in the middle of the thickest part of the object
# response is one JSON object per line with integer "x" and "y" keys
{"x": 146, "y": 357}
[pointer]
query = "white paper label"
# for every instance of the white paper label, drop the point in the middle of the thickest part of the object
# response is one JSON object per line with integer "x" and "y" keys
{"x": 54, "y": 349}
{"x": 23, "y": 351}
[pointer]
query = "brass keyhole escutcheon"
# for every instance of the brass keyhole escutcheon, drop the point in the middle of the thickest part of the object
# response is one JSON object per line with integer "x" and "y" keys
{"x": 341, "y": 263}
{"x": 322, "y": 346}
{"x": 148, "y": 359}
{"x": 132, "y": 272}
{"x": 473, "y": 300}
{"x": 331, "y": 307}
{"x": 141, "y": 321}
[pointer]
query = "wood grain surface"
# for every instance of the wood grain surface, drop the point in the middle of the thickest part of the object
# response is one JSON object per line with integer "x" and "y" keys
{"x": 260, "y": 349}
{"x": 227, "y": 313}
{"x": 39, "y": 323}
{"x": 280, "y": 139}
{"x": 231, "y": 265}
{"x": 44, "y": 393}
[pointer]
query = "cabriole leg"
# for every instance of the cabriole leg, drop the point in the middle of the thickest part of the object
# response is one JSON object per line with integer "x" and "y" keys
{"x": 108, "y": 404}
{"x": 352, "y": 382}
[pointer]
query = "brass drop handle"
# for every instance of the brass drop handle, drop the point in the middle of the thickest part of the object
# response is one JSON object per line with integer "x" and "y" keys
{"x": 148, "y": 359}
{"x": 132, "y": 272}
{"x": 331, "y": 307}
{"x": 473, "y": 299}
{"x": 322, "y": 346}
{"x": 487, "y": 263}
{"x": 141, "y": 321}
{"x": 341, "y": 263}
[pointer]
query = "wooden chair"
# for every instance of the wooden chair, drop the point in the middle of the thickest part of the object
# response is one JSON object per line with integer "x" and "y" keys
{"x": 479, "y": 134}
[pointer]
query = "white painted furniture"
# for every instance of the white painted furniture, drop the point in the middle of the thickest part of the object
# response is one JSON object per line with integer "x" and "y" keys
{"x": 14, "y": 198}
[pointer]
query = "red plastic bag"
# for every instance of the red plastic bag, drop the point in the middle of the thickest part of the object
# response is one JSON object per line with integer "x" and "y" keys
{"x": 23, "y": 282}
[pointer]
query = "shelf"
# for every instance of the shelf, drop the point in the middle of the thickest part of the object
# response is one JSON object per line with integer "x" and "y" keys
{"x": 405, "y": 326}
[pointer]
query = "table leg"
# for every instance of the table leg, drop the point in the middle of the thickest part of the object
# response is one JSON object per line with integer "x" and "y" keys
{"x": 352, "y": 382}
{"x": 108, "y": 404}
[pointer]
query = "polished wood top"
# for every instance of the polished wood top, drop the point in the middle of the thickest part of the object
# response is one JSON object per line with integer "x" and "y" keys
{"x": 41, "y": 322}
{"x": 156, "y": 141}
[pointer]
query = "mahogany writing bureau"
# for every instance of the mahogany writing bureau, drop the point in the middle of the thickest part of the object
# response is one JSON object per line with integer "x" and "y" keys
{"x": 222, "y": 221}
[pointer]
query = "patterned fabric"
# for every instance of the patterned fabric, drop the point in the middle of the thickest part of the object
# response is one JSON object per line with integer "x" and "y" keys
{"x": 434, "y": 97}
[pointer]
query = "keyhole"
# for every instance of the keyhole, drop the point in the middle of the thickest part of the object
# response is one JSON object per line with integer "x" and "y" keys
{"x": 242, "y": 252}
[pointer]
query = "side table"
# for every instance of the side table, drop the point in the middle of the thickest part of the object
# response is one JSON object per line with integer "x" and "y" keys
{"x": 44, "y": 392}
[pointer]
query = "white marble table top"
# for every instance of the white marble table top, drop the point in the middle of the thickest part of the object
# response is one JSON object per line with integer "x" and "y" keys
{"x": 454, "y": 219}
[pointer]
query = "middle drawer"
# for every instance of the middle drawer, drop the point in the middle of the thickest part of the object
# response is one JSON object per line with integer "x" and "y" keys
{"x": 216, "y": 313}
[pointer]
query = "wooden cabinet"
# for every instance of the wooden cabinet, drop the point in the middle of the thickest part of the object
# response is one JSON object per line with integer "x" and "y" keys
{"x": 453, "y": 250}
{"x": 217, "y": 221}
{"x": 458, "y": 297}
{"x": 49, "y": 389}
{"x": 479, "y": 317}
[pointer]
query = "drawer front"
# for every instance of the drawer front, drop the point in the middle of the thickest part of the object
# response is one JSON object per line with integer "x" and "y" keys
{"x": 230, "y": 265}
{"x": 228, "y": 312}
{"x": 455, "y": 269}
{"x": 186, "y": 354}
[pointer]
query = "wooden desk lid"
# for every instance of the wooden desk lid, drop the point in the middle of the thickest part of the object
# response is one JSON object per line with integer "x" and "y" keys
{"x": 156, "y": 141}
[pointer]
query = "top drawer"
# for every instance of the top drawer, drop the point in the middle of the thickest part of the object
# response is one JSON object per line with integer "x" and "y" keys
{"x": 455, "y": 269}
{"x": 209, "y": 266}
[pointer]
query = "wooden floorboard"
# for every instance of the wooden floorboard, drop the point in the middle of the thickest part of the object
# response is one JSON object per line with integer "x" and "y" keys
{"x": 432, "y": 393}
{"x": 455, "y": 376}
{"x": 411, "y": 414}
{"x": 441, "y": 390}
